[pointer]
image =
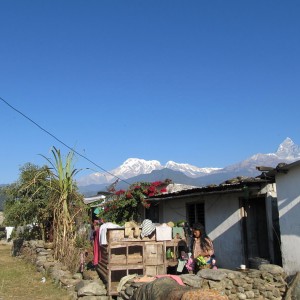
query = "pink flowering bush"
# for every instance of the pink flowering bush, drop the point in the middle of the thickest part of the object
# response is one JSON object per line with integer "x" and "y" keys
{"x": 128, "y": 205}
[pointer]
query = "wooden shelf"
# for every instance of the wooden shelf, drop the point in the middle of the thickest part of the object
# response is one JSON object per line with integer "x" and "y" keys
{"x": 129, "y": 255}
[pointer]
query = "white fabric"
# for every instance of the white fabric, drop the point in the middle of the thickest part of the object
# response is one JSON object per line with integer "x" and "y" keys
{"x": 9, "y": 231}
{"x": 163, "y": 233}
{"x": 147, "y": 228}
{"x": 103, "y": 231}
{"x": 181, "y": 264}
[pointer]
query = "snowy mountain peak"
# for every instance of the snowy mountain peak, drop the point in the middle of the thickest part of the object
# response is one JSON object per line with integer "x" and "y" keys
{"x": 136, "y": 166}
{"x": 188, "y": 169}
{"x": 288, "y": 149}
{"x": 287, "y": 152}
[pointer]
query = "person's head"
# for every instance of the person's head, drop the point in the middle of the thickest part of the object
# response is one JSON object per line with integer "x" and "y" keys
{"x": 198, "y": 230}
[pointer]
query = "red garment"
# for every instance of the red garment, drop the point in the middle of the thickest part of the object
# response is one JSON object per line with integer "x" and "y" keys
{"x": 96, "y": 247}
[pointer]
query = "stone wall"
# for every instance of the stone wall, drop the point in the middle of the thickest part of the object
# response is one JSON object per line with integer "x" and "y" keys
{"x": 269, "y": 282}
{"x": 266, "y": 283}
{"x": 84, "y": 286}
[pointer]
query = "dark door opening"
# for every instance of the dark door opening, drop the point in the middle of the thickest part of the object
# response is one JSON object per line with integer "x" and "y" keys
{"x": 255, "y": 228}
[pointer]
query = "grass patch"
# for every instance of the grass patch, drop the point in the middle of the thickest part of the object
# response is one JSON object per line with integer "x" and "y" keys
{"x": 19, "y": 280}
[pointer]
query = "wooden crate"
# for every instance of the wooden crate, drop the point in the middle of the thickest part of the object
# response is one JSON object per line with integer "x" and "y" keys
{"x": 118, "y": 235}
{"x": 131, "y": 255}
{"x": 154, "y": 253}
{"x": 155, "y": 270}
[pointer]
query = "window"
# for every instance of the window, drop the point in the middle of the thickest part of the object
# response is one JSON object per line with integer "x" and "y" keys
{"x": 195, "y": 213}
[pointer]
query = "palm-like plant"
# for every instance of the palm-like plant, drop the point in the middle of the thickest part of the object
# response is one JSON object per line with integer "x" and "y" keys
{"x": 65, "y": 202}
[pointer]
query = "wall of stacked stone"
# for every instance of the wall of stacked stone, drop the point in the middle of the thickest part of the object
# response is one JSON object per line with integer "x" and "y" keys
{"x": 84, "y": 286}
{"x": 269, "y": 282}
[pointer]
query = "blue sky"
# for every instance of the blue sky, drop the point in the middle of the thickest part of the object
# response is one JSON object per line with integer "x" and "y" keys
{"x": 202, "y": 82}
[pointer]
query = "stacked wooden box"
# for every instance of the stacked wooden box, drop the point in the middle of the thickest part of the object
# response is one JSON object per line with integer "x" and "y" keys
{"x": 123, "y": 256}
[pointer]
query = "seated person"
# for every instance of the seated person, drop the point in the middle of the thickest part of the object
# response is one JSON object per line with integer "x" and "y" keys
{"x": 202, "y": 250}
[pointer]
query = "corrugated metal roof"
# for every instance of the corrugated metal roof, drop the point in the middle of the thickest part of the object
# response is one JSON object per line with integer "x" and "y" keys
{"x": 232, "y": 185}
{"x": 282, "y": 168}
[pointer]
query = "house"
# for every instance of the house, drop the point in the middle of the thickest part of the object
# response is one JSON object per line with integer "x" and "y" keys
{"x": 240, "y": 216}
{"x": 287, "y": 178}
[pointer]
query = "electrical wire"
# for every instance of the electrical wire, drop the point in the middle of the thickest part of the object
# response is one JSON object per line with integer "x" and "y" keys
{"x": 63, "y": 143}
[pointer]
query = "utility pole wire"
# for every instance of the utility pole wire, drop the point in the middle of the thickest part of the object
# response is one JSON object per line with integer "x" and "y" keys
{"x": 60, "y": 141}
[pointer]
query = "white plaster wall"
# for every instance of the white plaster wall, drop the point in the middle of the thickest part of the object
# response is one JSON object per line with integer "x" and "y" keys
{"x": 288, "y": 195}
{"x": 223, "y": 226}
{"x": 222, "y": 220}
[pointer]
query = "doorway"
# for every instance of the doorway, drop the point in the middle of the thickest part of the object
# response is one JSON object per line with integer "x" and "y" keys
{"x": 255, "y": 229}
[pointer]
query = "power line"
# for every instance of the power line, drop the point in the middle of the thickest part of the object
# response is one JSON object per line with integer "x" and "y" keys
{"x": 63, "y": 143}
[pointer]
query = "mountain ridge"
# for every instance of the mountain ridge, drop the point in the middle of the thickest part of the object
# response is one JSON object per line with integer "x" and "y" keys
{"x": 142, "y": 170}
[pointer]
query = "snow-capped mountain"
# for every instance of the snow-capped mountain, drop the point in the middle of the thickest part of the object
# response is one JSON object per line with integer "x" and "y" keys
{"x": 130, "y": 168}
{"x": 135, "y": 166}
{"x": 189, "y": 170}
{"x": 287, "y": 152}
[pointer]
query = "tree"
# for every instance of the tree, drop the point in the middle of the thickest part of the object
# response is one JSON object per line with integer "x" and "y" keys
{"x": 27, "y": 199}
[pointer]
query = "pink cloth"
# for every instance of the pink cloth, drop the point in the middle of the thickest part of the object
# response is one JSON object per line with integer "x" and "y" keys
{"x": 175, "y": 277}
{"x": 96, "y": 247}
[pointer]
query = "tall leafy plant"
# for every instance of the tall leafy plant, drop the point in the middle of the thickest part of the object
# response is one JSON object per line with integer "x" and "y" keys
{"x": 65, "y": 202}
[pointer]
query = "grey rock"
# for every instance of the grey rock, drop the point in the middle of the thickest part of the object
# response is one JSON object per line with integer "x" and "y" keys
{"x": 238, "y": 281}
{"x": 250, "y": 294}
{"x": 40, "y": 244}
{"x": 241, "y": 296}
{"x": 48, "y": 245}
{"x": 67, "y": 281}
{"x": 129, "y": 291}
{"x": 80, "y": 284}
{"x": 43, "y": 253}
{"x": 216, "y": 275}
{"x": 91, "y": 289}
{"x": 47, "y": 265}
{"x": 56, "y": 274}
{"x": 253, "y": 274}
{"x": 50, "y": 258}
{"x": 77, "y": 276}
{"x": 94, "y": 298}
{"x": 40, "y": 262}
{"x": 231, "y": 275}
{"x": 38, "y": 250}
{"x": 216, "y": 285}
{"x": 273, "y": 269}
{"x": 90, "y": 275}
{"x": 32, "y": 244}
{"x": 39, "y": 269}
{"x": 192, "y": 280}
{"x": 64, "y": 268}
